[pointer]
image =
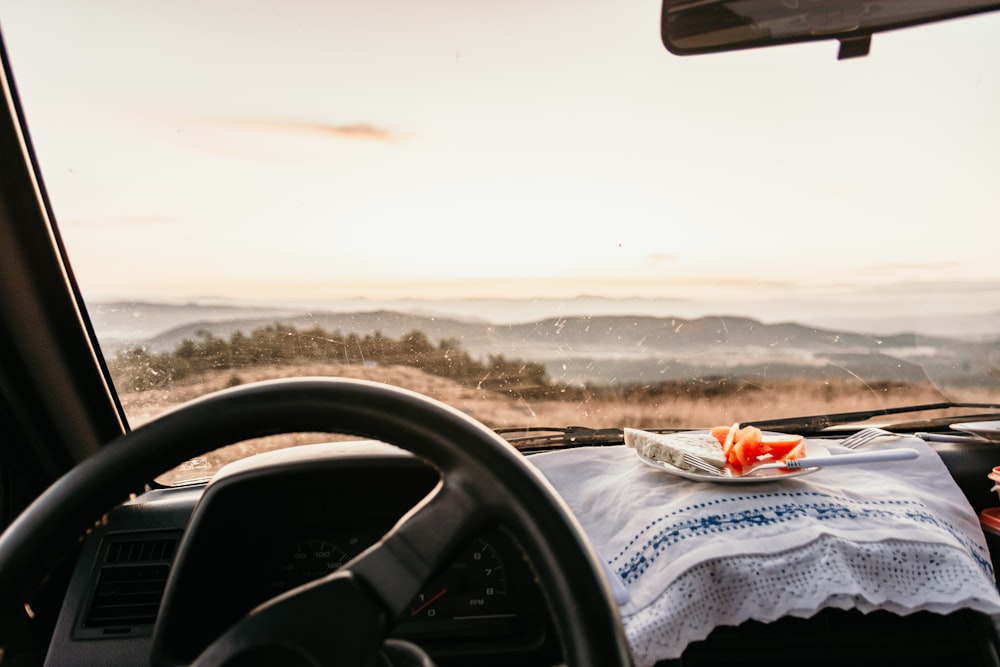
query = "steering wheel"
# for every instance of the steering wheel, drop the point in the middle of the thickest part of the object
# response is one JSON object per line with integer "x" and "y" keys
{"x": 483, "y": 480}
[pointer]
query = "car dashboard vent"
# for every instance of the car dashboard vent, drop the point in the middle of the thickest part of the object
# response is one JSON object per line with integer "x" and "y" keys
{"x": 129, "y": 585}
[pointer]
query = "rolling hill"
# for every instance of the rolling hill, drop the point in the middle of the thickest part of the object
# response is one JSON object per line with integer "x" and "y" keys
{"x": 603, "y": 349}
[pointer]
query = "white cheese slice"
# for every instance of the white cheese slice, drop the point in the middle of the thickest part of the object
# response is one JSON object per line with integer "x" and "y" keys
{"x": 670, "y": 447}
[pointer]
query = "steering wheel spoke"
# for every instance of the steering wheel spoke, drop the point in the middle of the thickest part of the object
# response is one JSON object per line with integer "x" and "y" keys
{"x": 334, "y": 621}
{"x": 400, "y": 564}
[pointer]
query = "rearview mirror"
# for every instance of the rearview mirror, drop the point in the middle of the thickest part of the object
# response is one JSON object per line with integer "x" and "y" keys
{"x": 707, "y": 26}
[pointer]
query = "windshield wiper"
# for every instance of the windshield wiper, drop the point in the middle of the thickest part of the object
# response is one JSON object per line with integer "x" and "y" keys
{"x": 557, "y": 437}
{"x": 813, "y": 423}
{"x": 539, "y": 438}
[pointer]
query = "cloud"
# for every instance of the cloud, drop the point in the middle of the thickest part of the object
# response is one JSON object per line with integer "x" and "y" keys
{"x": 363, "y": 131}
{"x": 939, "y": 287}
{"x": 349, "y": 131}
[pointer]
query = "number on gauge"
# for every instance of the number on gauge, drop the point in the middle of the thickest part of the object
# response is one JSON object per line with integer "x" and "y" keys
{"x": 309, "y": 559}
{"x": 473, "y": 586}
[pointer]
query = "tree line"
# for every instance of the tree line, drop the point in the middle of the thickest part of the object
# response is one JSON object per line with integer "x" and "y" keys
{"x": 138, "y": 369}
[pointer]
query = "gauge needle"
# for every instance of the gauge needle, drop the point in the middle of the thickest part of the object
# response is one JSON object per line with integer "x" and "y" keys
{"x": 429, "y": 602}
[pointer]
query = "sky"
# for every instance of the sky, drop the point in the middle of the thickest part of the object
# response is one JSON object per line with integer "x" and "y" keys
{"x": 315, "y": 150}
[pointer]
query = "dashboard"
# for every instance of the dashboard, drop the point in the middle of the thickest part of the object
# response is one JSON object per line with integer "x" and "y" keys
{"x": 195, "y": 560}
{"x": 165, "y": 573}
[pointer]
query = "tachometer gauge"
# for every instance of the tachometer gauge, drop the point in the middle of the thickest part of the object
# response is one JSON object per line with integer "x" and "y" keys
{"x": 469, "y": 597}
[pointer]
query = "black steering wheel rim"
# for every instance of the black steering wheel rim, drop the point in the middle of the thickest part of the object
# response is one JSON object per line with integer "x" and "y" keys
{"x": 482, "y": 473}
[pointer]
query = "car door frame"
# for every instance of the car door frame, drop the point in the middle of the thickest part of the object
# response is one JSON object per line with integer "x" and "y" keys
{"x": 57, "y": 404}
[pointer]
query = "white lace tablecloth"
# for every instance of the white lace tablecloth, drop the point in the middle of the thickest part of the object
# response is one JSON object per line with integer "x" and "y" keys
{"x": 688, "y": 556}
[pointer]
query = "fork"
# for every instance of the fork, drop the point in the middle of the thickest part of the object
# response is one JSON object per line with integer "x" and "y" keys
{"x": 864, "y": 436}
{"x": 703, "y": 465}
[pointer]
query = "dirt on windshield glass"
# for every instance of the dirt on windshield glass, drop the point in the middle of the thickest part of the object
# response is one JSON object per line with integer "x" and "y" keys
{"x": 700, "y": 405}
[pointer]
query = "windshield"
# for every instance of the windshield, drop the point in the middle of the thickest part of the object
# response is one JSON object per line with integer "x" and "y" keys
{"x": 531, "y": 211}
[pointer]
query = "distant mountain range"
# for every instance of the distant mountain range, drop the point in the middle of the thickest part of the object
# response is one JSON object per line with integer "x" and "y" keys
{"x": 599, "y": 349}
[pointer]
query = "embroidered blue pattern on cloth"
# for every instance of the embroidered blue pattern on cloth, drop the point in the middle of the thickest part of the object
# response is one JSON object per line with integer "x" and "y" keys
{"x": 656, "y": 538}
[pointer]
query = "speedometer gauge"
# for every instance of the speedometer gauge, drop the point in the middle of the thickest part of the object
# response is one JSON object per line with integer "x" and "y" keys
{"x": 309, "y": 559}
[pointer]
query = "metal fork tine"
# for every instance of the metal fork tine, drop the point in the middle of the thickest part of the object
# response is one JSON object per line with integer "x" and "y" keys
{"x": 702, "y": 465}
{"x": 864, "y": 436}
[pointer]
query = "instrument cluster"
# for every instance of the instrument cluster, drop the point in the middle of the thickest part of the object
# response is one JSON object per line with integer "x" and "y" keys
{"x": 255, "y": 536}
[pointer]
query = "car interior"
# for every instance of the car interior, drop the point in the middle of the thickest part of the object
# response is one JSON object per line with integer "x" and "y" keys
{"x": 420, "y": 535}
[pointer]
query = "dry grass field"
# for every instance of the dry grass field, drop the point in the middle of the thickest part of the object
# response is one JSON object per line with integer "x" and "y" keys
{"x": 740, "y": 402}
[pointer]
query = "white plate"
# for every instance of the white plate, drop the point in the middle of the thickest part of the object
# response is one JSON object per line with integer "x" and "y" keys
{"x": 813, "y": 448}
{"x": 986, "y": 430}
